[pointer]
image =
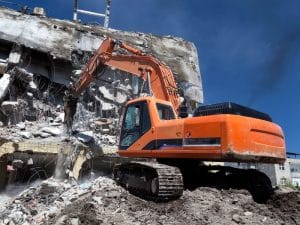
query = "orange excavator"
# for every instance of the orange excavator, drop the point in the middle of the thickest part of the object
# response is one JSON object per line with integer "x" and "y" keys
{"x": 152, "y": 128}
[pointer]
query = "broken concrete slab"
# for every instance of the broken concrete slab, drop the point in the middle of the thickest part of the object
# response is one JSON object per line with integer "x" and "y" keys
{"x": 116, "y": 96}
{"x": 51, "y": 130}
{"x": 15, "y": 55}
{"x": 25, "y": 134}
{"x": 59, "y": 118}
{"x": 21, "y": 126}
{"x": 5, "y": 82}
{"x": 69, "y": 42}
{"x": 50, "y": 186}
{"x": 45, "y": 135}
{"x": 86, "y": 136}
{"x": 9, "y": 106}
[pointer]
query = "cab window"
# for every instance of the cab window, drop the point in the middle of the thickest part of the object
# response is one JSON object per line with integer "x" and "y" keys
{"x": 165, "y": 112}
{"x": 132, "y": 117}
{"x": 135, "y": 124}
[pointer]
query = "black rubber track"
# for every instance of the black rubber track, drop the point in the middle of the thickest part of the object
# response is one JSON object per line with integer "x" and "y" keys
{"x": 168, "y": 179}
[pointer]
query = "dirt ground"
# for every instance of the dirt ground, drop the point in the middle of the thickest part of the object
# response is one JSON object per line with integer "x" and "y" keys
{"x": 202, "y": 206}
{"x": 101, "y": 201}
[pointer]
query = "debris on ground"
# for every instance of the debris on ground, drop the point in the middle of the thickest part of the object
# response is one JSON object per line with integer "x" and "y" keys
{"x": 102, "y": 201}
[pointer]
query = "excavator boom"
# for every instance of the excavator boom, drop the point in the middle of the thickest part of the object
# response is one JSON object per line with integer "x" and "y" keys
{"x": 160, "y": 77}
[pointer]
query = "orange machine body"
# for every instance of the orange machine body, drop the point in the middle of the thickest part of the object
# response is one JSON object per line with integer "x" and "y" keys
{"x": 151, "y": 127}
{"x": 221, "y": 137}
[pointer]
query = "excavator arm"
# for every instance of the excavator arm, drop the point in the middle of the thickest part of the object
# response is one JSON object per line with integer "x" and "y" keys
{"x": 159, "y": 76}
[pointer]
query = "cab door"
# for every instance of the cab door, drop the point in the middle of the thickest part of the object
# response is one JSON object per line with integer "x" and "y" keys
{"x": 136, "y": 123}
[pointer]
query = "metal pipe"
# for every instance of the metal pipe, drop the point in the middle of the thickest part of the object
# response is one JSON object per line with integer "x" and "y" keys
{"x": 149, "y": 84}
{"x": 90, "y": 13}
{"x": 107, "y": 13}
{"x": 75, "y": 10}
{"x": 105, "y": 16}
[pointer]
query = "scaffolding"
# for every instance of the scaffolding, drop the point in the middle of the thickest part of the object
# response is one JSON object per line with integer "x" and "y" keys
{"x": 96, "y": 14}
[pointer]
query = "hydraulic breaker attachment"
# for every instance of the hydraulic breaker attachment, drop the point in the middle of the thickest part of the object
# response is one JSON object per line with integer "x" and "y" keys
{"x": 70, "y": 105}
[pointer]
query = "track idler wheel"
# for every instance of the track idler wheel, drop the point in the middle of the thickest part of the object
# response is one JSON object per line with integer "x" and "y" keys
{"x": 260, "y": 186}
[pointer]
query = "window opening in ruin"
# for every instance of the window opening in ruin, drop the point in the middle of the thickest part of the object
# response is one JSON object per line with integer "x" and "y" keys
{"x": 283, "y": 181}
{"x": 281, "y": 166}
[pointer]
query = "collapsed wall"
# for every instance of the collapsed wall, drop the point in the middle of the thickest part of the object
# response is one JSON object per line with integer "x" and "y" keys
{"x": 39, "y": 57}
{"x": 56, "y": 47}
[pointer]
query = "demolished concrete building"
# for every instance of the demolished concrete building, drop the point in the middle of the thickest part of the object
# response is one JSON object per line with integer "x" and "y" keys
{"x": 40, "y": 56}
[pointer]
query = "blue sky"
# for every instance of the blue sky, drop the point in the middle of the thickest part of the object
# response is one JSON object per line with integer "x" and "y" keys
{"x": 249, "y": 51}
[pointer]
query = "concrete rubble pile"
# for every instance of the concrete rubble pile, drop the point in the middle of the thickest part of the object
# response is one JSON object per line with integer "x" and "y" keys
{"x": 101, "y": 201}
{"x": 40, "y": 203}
{"x": 48, "y": 124}
{"x": 34, "y": 110}
{"x": 45, "y": 128}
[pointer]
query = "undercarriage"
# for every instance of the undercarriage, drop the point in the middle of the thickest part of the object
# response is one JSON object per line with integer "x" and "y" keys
{"x": 166, "y": 179}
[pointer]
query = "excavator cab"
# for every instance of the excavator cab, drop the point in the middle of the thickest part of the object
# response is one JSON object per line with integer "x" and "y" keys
{"x": 136, "y": 122}
{"x": 146, "y": 119}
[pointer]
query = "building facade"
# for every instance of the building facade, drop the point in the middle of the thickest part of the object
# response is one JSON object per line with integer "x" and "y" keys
{"x": 295, "y": 171}
{"x": 279, "y": 174}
